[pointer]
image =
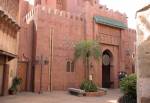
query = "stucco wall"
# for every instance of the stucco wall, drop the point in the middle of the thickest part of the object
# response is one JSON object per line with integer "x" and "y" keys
{"x": 65, "y": 29}
{"x": 64, "y": 32}
{"x": 143, "y": 57}
{"x": 9, "y": 37}
{"x": 11, "y": 7}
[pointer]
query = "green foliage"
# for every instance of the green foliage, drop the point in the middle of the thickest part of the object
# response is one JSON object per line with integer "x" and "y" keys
{"x": 87, "y": 48}
{"x": 128, "y": 85}
{"x": 88, "y": 86}
{"x": 16, "y": 81}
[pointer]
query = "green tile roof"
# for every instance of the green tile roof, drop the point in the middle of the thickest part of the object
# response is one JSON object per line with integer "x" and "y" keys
{"x": 110, "y": 22}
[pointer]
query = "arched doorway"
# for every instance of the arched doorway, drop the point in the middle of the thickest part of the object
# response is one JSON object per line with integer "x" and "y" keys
{"x": 106, "y": 69}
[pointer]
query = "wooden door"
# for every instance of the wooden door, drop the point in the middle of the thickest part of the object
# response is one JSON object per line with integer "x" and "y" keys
{"x": 106, "y": 76}
{"x": 1, "y": 78}
{"x": 22, "y": 73}
{"x": 106, "y": 70}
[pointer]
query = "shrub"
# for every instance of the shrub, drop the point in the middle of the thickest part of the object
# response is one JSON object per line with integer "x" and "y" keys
{"x": 88, "y": 86}
{"x": 16, "y": 82}
{"x": 128, "y": 85}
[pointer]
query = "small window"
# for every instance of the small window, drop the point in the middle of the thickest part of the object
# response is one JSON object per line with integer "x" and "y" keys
{"x": 70, "y": 66}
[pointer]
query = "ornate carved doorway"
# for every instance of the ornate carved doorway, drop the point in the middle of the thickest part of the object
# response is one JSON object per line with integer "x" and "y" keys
{"x": 106, "y": 66}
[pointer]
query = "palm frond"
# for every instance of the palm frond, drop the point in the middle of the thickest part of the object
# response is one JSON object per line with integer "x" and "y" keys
{"x": 86, "y": 48}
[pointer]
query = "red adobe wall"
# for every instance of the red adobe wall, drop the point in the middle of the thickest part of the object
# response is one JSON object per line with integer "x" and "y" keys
{"x": 68, "y": 29}
{"x": 43, "y": 24}
{"x": 129, "y": 48}
{"x": 25, "y": 45}
{"x": 25, "y": 37}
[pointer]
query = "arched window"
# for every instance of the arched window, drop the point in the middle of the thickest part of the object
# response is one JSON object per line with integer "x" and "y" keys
{"x": 70, "y": 66}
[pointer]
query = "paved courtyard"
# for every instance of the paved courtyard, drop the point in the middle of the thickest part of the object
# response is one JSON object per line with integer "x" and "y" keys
{"x": 60, "y": 97}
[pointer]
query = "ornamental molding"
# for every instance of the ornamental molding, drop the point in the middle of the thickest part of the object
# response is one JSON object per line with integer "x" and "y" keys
{"x": 6, "y": 19}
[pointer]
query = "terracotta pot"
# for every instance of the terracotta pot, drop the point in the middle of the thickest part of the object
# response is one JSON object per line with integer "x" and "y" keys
{"x": 12, "y": 92}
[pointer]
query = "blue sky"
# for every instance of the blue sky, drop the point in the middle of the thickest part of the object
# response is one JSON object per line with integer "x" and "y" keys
{"x": 125, "y": 6}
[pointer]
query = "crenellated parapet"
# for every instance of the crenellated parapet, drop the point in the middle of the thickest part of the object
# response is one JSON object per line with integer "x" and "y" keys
{"x": 52, "y": 12}
{"x": 131, "y": 30}
{"x": 64, "y": 14}
{"x": 29, "y": 16}
{"x": 104, "y": 11}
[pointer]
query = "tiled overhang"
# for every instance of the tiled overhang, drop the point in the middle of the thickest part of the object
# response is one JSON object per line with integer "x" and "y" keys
{"x": 110, "y": 22}
{"x": 9, "y": 20}
{"x": 10, "y": 56}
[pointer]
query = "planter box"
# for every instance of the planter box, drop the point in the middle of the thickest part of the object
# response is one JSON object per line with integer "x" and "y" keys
{"x": 92, "y": 94}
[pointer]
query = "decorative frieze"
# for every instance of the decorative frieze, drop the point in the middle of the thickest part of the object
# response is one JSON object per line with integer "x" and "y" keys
{"x": 108, "y": 35}
{"x": 11, "y": 7}
{"x": 8, "y": 25}
{"x": 108, "y": 39}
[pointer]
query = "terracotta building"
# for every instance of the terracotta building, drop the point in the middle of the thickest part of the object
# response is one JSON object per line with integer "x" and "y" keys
{"x": 9, "y": 10}
{"x": 51, "y": 28}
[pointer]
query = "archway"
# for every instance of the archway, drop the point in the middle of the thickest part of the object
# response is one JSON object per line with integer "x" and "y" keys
{"x": 106, "y": 69}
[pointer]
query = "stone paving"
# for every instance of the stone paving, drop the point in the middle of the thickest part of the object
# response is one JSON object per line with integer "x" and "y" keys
{"x": 60, "y": 97}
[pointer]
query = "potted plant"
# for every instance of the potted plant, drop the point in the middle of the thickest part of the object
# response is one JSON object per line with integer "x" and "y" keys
{"x": 91, "y": 88}
{"x": 14, "y": 88}
{"x": 88, "y": 86}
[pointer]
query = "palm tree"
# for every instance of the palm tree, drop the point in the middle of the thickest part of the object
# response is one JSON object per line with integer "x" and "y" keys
{"x": 86, "y": 50}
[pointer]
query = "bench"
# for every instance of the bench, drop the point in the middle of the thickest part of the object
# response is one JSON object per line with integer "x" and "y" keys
{"x": 103, "y": 89}
{"x": 77, "y": 92}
